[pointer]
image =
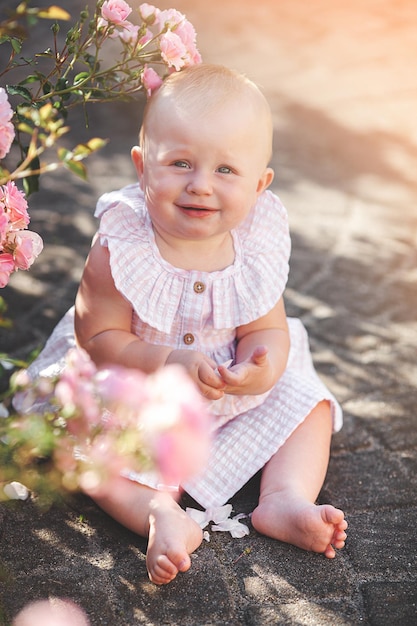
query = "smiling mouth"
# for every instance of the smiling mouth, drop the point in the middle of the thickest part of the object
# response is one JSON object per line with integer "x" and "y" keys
{"x": 196, "y": 210}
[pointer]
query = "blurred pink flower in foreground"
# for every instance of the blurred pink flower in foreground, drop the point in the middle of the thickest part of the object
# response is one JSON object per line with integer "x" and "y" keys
{"x": 176, "y": 425}
{"x": 51, "y": 612}
{"x": 111, "y": 420}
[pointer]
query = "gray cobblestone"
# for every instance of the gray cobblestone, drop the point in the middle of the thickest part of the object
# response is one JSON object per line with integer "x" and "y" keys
{"x": 343, "y": 90}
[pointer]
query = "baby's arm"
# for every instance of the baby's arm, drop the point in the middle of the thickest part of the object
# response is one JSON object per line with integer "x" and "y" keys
{"x": 261, "y": 354}
{"x": 103, "y": 319}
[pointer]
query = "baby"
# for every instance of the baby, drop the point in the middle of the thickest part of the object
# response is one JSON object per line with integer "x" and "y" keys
{"x": 189, "y": 266}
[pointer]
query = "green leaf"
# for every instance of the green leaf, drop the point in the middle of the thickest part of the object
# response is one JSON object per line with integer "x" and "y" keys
{"x": 46, "y": 88}
{"x": 25, "y": 128}
{"x": 16, "y": 44}
{"x": 32, "y": 78}
{"x": 64, "y": 154}
{"x": 53, "y": 13}
{"x": 96, "y": 143}
{"x": 83, "y": 150}
{"x": 77, "y": 168}
{"x": 46, "y": 53}
{"x": 80, "y": 78}
{"x": 31, "y": 183}
{"x": 17, "y": 90}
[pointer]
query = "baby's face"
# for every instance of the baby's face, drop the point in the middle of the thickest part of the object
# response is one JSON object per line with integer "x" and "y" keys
{"x": 202, "y": 172}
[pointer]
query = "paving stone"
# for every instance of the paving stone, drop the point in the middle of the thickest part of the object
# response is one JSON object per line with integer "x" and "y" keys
{"x": 390, "y": 603}
{"x": 303, "y": 614}
{"x": 343, "y": 95}
{"x": 382, "y": 545}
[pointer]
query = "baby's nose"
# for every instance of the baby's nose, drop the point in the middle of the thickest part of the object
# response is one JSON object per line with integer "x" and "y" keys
{"x": 200, "y": 184}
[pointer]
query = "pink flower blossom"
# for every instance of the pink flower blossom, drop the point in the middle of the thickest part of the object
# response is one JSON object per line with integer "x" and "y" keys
{"x": 173, "y": 51}
{"x": 179, "y": 454}
{"x": 129, "y": 33}
{"x": 27, "y": 246}
{"x": 80, "y": 364}
{"x": 4, "y": 225}
{"x": 170, "y": 18}
{"x": 176, "y": 425}
{"x": 186, "y": 32}
{"x": 151, "y": 80}
{"x": 16, "y": 205}
{"x": 7, "y": 131}
{"x": 118, "y": 386}
{"x": 115, "y": 11}
{"x": 148, "y": 13}
{"x": 147, "y": 37}
{"x": 77, "y": 394}
{"x": 6, "y": 268}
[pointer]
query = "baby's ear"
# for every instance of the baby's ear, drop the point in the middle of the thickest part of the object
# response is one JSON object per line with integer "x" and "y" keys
{"x": 265, "y": 180}
{"x": 137, "y": 158}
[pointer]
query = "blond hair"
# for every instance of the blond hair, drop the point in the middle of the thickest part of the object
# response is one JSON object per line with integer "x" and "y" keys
{"x": 205, "y": 87}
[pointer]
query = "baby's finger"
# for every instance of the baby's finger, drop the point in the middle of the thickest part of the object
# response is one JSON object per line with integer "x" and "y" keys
{"x": 208, "y": 376}
{"x": 211, "y": 393}
{"x": 232, "y": 376}
{"x": 224, "y": 366}
{"x": 260, "y": 355}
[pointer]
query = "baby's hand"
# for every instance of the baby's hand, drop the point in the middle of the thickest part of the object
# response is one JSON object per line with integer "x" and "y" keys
{"x": 251, "y": 376}
{"x": 201, "y": 369}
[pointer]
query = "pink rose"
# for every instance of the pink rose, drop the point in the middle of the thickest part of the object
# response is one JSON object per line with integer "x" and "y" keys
{"x": 148, "y": 36}
{"x": 170, "y": 18}
{"x": 6, "y": 112}
{"x": 173, "y": 51}
{"x": 115, "y": 11}
{"x": 6, "y": 268}
{"x": 4, "y": 225}
{"x": 148, "y": 13}
{"x": 121, "y": 386}
{"x": 186, "y": 32}
{"x": 79, "y": 363}
{"x": 180, "y": 454}
{"x": 7, "y": 131}
{"x": 129, "y": 33}
{"x": 16, "y": 205}
{"x": 27, "y": 246}
{"x": 151, "y": 80}
{"x": 176, "y": 425}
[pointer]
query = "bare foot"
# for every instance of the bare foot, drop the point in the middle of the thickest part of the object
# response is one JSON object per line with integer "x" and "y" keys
{"x": 173, "y": 536}
{"x": 319, "y": 528}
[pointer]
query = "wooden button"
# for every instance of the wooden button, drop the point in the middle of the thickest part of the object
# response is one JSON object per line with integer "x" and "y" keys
{"x": 199, "y": 287}
{"x": 188, "y": 339}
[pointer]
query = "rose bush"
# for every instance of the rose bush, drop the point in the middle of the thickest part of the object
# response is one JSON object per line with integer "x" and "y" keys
{"x": 87, "y": 425}
{"x": 63, "y": 76}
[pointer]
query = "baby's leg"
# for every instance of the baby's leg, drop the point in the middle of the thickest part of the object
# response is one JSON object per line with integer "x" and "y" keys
{"x": 173, "y": 535}
{"x": 291, "y": 482}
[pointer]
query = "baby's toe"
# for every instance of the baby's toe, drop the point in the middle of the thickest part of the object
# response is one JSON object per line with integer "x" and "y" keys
{"x": 330, "y": 552}
{"x": 162, "y": 571}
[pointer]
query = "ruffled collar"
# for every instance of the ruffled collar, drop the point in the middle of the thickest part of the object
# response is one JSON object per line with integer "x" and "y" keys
{"x": 240, "y": 293}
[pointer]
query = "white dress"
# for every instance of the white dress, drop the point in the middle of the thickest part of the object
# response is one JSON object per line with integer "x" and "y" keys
{"x": 201, "y": 310}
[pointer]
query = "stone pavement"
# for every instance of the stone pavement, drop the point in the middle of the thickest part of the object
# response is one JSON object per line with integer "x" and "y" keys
{"x": 343, "y": 88}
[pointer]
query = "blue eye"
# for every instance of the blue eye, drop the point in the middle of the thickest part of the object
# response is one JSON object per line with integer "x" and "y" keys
{"x": 182, "y": 164}
{"x": 224, "y": 169}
